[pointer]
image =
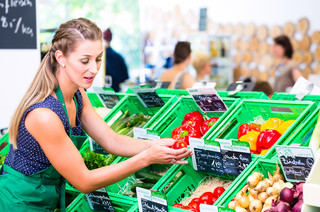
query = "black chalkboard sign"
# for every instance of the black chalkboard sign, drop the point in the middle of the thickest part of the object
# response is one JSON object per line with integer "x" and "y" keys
{"x": 151, "y": 206}
{"x": 296, "y": 162}
{"x": 109, "y": 99}
{"x": 241, "y": 151}
{"x": 94, "y": 146}
{"x": 230, "y": 161}
{"x": 209, "y": 161}
{"x": 149, "y": 98}
{"x": 18, "y": 26}
{"x": 100, "y": 201}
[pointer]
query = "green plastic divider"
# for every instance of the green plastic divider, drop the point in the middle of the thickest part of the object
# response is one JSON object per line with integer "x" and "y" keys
{"x": 244, "y": 95}
{"x": 292, "y": 97}
{"x": 174, "y": 116}
{"x": 248, "y": 110}
{"x": 120, "y": 203}
{"x": 4, "y": 144}
{"x": 177, "y": 92}
{"x": 259, "y": 165}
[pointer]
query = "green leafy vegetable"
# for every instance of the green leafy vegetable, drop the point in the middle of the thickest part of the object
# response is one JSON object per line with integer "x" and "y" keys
{"x": 94, "y": 160}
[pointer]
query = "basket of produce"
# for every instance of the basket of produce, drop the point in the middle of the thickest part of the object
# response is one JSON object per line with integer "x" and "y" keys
{"x": 263, "y": 123}
{"x": 261, "y": 187}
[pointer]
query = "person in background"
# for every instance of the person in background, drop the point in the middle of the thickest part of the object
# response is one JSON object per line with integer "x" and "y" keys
{"x": 115, "y": 64}
{"x": 177, "y": 75}
{"x": 201, "y": 64}
{"x": 263, "y": 86}
{"x": 287, "y": 72}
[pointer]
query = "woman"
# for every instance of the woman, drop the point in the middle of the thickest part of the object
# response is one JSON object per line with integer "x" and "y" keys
{"x": 177, "y": 75}
{"x": 201, "y": 64}
{"x": 46, "y": 129}
{"x": 287, "y": 72}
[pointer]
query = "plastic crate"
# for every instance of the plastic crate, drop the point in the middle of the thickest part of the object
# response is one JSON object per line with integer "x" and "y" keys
{"x": 247, "y": 110}
{"x": 259, "y": 165}
{"x": 4, "y": 144}
{"x": 177, "y": 92}
{"x": 292, "y": 97}
{"x": 95, "y": 101}
{"x": 174, "y": 116}
{"x": 244, "y": 95}
{"x": 186, "y": 183}
{"x": 120, "y": 203}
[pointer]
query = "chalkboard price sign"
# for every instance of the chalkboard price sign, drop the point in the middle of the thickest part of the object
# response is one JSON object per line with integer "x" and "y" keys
{"x": 230, "y": 161}
{"x": 241, "y": 150}
{"x": 109, "y": 99}
{"x": 94, "y": 146}
{"x": 18, "y": 24}
{"x": 151, "y": 201}
{"x": 296, "y": 162}
{"x": 148, "y": 97}
{"x": 207, "y": 99}
{"x": 100, "y": 201}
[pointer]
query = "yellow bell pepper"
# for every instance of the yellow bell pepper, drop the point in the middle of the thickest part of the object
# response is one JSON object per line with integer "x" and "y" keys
{"x": 271, "y": 124}
{"x": 251, "y": 137}
{"x": 263, "y": 152}
{"x": 284, "y": 126}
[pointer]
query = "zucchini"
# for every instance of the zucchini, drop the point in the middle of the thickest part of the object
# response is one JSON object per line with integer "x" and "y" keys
{"x": 121, "y": 124}
{"x": 148, "y": 177}
{"x": 123, "y": 116}
{"x": 142, "y": 185}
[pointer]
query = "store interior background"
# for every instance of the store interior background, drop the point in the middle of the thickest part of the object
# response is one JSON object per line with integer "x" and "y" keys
{"x": 166, "y": 20}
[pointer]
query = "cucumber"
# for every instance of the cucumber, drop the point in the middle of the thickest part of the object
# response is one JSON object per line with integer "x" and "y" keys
{"x": 123, "y": 116}
{"x": 147, "y": 177}
{"x": 121, "y": 124}
{"x": 123, "y": 131}
{"x": 142, "y": 185}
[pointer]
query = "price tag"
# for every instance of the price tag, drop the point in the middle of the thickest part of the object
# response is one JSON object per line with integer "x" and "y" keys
{"x": 148, "y": 97}
{"x": 107, "y": 96}
{"x": 94, "y": 146}
{"x": 230, "y": 160}
{"x": 159, "y": 84}
{"x": 99, "y": 200}
{"x": 211, "y": 208}
{"x": 296, "y": 162}
{"x": 208, "y": 99}
{"x": 150, "y": 201}
{"x": 241, "y": 151}
{"x": 145, "y": 134}
{"x": 206, "y": 157}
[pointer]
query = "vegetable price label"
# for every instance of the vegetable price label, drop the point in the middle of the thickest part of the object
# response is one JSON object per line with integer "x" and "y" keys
{"x": 150, "y": 201}
{"x": 107, "y": 96}
{"x": 94, "y": 146}
{"x": 145, "y": 134}
{"x": 211, "y": 208}
{"x": 208, "y": 99}
{"x": 230, "y": 161}
{"x": 99, "y": 200}
{"x": 148, "y": 97}
{"x": 296, "y": 162}
{"x": 241, "y": 151}
{"x": 206, "y": 157}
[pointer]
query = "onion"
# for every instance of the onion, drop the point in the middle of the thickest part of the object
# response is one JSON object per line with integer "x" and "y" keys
{"x": 253, "y": 193}
{"x": 232, "y": 204}
{"x": 297, "y": 207}
{"x": 266, "y": 208}
{"x": 277, "y": 175}
{"x": 269, "y": 200}
{"x": 262, "y": 196}
{"x": 287, "y": 195}
{"x": 255, "y": 206}
{"x": 299, "y": 189}
{"x": 244, "y": 201}
{"x": 254, "y": 179}
{"x": 239, "y": 209}
{"x": 272, "y": 191}
{"x": 262, "y": 186}
{"x": 281, "y": 207}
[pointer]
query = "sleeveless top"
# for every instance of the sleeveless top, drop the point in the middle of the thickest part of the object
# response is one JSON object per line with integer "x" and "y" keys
{"x": 29, "y": 157}
{"x": 178, "y": 80}
{"x": 283, "y": 75}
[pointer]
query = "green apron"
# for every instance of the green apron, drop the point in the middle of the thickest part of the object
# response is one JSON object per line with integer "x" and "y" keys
{"x": 38, "y": 192}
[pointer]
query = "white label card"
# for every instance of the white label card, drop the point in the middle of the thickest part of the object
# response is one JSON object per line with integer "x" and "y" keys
{"x": 151, "y": 201}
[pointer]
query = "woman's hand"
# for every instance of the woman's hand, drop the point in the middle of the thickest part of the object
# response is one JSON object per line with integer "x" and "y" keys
{"x": 161, "y": 153}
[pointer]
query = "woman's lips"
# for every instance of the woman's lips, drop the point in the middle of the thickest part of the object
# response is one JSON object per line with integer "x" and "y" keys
{"x": 88, "y": 79}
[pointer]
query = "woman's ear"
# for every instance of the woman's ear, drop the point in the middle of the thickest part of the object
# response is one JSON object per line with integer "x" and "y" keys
{"x": 60, "y": 58}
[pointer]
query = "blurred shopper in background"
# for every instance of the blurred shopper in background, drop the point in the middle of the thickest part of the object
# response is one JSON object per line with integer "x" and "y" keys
{"x": 263, "y": 86}
{"x": 287, "y": 72}
{"x": 115, "y": 64}
{"x": 201, "y": 64}
{"x": 177, "y": 75}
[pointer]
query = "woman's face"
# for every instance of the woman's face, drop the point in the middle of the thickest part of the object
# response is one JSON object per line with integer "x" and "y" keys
{"x": 83, "y": 64}
{"x": 277, "y": 50}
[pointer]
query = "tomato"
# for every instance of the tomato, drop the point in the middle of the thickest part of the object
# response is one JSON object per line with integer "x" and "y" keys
{"x": 214, "y": 198}
{"x": 206, "y": 198}
{"x": 177, "y": 205}
{"x": 195, "y": 203}
{"x": 218, "y": 191}
{"x": 189, "y": 208}
{"x": 179, "y": 145}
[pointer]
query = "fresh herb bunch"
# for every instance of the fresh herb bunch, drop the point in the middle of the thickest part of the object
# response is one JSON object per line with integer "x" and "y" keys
{"x": 94, "y": 160}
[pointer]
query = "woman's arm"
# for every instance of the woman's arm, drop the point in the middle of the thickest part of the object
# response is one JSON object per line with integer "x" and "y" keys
{"x": 114, "y": 143}
{"x": 296, "y": 73}
{"x": 46, "y": 127}
{"x": 188, "y": 81}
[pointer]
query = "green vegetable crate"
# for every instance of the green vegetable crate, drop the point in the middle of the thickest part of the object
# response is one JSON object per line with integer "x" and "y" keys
{"x": 4, "y": 144}
{"x": 95, "y": 101}
{"x": 186, "y": 183}
{"x": 177, "y": 92}
{"x": 302, "y": 136}
{"x": 119, "y": 203}
{"x": 259, "y": 165}
{"x": 248, "y": 110}
{"x": 244, "y": 95}
{"x": 292, "y": 97}
{"x": 174, "y": 116}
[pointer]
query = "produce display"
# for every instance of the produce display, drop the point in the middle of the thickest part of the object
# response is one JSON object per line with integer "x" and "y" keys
{"x": 94, "y": 160}
{"x": 271, "y": 194}
{"x": 262, "y": 137}
{"x": 126, "y": 122}
{"x": 194, "y": 125}
{"x": 208, "y": 192}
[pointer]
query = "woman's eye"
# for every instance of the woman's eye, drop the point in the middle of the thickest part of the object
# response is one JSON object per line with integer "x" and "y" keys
{"x": 85, "y": 61}
{"x": 98, "y": 59}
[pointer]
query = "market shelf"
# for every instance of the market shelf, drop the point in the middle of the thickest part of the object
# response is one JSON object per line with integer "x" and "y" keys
{"x": 248, "y": 110}
{"x": 245, "y": 95}
{"x": 174, "y": 116}
{"x": 177, "y": 92}
{"x": 292, "y": 97}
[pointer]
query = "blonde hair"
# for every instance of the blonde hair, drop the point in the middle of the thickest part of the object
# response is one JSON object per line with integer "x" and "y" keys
{"x": 44, "y": 83}
{"x": 199, "y": 61}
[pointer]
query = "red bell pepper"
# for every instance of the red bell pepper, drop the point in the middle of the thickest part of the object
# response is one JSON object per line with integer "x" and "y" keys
{"x": 194, "y": 123}
{"x": 184, "y": 132}
{"x": 245, "y": 128}
{"x": 267, "y": 139}
{"x": 193, "y": 114}
{"x": 207, "y": 124}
